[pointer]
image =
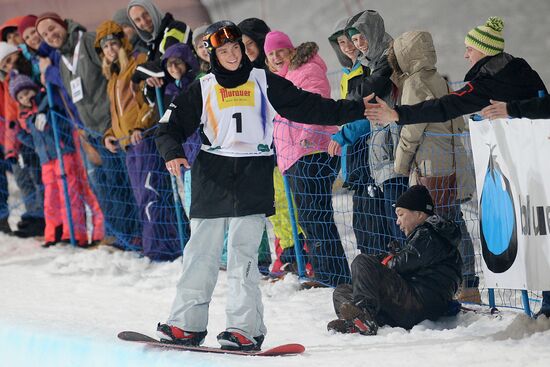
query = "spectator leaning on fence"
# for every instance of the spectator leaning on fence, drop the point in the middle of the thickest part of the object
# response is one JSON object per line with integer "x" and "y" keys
{"x": 407, "y": 285}
{"x": 494, "y": 74}
{"x": 131, "y": 117}
{"x": 121, "y": 18}
{"x": 159, "y": 31}
{"x": 368, "y": 34}
{"x": 38, "y": 135}
{"x": 429, "y": 153}
{"x": 302, "y": 156}
{"x": 81, "y": 73}
{"x": 254, "y": 32}
{"x": 232, "y": 182}
{"x": 32, "y": 41}
{"x": 50, "y": 75}
{"x": 27, "y": 175}
{"x": 369, "y": 223}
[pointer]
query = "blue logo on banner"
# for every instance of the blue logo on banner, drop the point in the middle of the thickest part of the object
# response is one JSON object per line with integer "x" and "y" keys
{"x": 497, "y": 220}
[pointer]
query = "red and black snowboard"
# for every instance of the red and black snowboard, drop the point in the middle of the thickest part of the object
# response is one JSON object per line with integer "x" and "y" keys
{"x": 281, "y": 350}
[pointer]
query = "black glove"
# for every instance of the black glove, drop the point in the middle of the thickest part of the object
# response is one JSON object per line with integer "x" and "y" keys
{"x": 393, "y": 247}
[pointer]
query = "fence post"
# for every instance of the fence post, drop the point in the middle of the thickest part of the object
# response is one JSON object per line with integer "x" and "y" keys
{"x": 525, "y": 301}
{"x": 491, "y": 294}
{"x": 53, "y": 118}
{"x": 295, "y": 236}
{"x": 177, "y": 201}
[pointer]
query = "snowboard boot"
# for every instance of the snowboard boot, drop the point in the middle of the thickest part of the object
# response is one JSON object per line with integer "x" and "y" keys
{"x": 175, "y": 335}
{"x": 342, "y": 326}
{"x": 360, "y": 317}
{"x": 232, "y": 340}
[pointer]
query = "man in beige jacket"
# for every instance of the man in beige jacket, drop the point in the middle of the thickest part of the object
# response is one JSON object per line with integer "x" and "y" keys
{"x": 431, "y": 149}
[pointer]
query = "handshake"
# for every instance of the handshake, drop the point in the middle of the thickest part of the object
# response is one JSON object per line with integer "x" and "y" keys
{"x": 379, "y": 113}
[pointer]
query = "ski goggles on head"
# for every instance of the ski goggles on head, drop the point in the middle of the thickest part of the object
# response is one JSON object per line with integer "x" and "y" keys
{"x": 222, "y": 36}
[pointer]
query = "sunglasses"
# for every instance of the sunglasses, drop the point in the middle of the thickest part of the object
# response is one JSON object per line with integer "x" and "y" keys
{"x": 221, "y": 37}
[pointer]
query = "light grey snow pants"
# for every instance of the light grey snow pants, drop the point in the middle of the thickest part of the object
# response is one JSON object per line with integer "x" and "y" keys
{"x": 201, "y": 259}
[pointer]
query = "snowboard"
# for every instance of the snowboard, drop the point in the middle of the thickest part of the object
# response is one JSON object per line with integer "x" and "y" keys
{"x": 281, "y": 350}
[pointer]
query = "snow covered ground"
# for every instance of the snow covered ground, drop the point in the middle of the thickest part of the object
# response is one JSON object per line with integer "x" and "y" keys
{"x": 64, "y": 307}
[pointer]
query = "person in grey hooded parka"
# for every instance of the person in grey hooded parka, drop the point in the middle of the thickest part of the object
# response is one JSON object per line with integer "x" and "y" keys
{"x": 383, "y": 141}
{"x": 369, "y": 225}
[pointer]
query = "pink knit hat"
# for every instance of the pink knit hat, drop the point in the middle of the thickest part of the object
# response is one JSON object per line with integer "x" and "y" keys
{"x": 275, "y": 40}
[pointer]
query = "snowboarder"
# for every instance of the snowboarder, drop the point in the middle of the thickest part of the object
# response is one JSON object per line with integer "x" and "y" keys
{"x": 232, "y": 188}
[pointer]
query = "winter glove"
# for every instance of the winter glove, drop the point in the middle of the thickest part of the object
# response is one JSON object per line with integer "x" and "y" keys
{"x": 40, "y": 122}
{"x": 393, "y": 247}
{"x": 386, "y": 258}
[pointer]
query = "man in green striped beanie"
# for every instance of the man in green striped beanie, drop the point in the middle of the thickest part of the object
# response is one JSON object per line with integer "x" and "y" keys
{"x": 484, "y": 40}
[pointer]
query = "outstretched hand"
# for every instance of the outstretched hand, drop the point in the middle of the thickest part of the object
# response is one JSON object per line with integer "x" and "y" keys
{"x": 334, "y": 148}
{"x": 496, "y": 110}
{"x": 379, "y": 113}
{"x": 174, "y": 165}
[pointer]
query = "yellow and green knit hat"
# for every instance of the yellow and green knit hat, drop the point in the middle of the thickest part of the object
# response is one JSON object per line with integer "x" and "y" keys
{"x": 487, "y": 38}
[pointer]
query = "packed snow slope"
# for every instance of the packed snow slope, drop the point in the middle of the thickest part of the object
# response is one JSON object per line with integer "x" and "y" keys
{"x": 63, "y": 307}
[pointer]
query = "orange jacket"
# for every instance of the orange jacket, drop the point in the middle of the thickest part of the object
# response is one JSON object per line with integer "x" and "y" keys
{"x": 11, "y": 124}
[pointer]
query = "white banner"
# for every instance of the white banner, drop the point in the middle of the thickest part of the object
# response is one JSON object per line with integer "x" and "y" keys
{"x": 512, "y": 164}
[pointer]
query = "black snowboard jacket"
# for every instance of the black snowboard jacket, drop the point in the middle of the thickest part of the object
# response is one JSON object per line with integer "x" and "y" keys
{"x": 430, "y": 261}
{"x": 534, "y": 108}
{"x": 238, "y": 186}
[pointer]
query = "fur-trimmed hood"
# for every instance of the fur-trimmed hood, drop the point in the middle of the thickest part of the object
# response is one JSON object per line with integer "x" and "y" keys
{"x": 304, "y": 53}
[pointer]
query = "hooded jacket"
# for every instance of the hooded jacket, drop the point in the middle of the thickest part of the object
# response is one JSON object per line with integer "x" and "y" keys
{"x": 293, "y": 140}
{"x": 428, "y": 149}
{"x": 502, "y": 77}
{"x": 430, "y": 262}
{"x": 166, "y": 30}
{"x": 256, "y": 29}
{"x": 350, "y": 83}
{"x": 236, "y": 186}
{"x": 128, "y": 113}
{"x": 121, "y": 18}
{"x": 175, "y": 87}
{"x": 94, "y": 108}
{"x": 185, "y": 53}
{"x": 383, "y": 140}
{"x": 371, "y": 25}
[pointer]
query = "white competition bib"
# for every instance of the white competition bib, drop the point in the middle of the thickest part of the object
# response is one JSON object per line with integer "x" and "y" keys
{"x": 238, "y": 122}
